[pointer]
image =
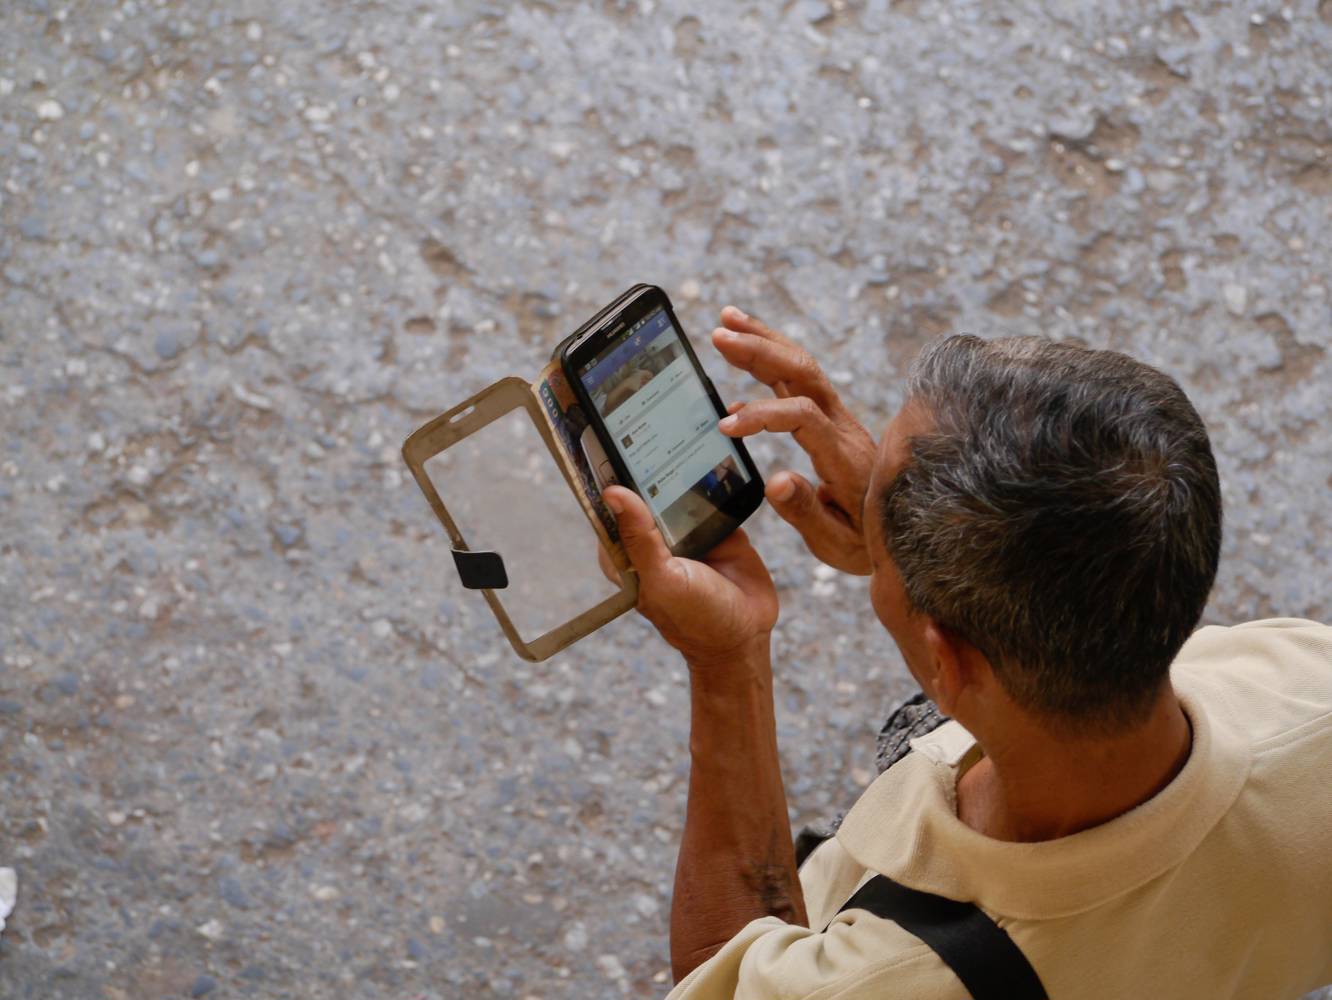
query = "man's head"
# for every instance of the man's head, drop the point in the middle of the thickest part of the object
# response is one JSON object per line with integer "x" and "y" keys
{"x": 1057, "y": 510}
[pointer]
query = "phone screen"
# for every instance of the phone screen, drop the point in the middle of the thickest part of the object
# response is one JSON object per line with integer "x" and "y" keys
{"x": 662, "y": 420}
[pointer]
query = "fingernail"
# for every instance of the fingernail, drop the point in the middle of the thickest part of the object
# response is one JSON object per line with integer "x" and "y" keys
{"x": 727, "y": 423}
{"x": 738, "y": 311}
{"x": 782, "y": 489}
{"x": 721, "y": 333}
{"x": 613, "y": 502}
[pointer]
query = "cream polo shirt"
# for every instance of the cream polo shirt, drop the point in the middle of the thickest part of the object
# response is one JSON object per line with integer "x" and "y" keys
{"x": 1219, "y": 886}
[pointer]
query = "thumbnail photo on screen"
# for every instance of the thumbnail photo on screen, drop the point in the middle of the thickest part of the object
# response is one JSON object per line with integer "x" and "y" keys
{"x": 619, "y": 388}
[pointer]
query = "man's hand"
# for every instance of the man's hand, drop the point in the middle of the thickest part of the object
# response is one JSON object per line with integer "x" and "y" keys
{"x": 710, "y": 610}
{"x": 808, "y": 407}
{"x": 736, "y": 860}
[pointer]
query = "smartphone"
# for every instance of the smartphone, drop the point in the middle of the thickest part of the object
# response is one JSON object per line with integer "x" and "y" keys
{"x": 655, "y": 412}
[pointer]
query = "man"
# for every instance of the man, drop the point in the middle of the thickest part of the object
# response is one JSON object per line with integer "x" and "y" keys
{"x": 1143, "y": 813}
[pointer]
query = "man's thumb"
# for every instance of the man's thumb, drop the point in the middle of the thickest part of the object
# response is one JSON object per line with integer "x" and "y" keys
{"x": 793, "y": 498}
{"x": 642, "y": 542}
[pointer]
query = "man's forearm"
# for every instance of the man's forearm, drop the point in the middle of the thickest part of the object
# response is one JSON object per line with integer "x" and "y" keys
{"x": 736, "y": 860}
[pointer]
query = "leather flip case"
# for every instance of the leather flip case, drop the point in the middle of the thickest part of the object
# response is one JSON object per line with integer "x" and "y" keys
{"x": 544, "y": 402}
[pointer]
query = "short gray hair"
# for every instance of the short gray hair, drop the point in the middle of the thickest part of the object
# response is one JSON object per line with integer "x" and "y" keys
{"x": 1063, "y": 515}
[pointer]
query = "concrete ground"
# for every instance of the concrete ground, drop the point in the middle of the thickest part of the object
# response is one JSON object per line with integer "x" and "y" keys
{"x": 254, "y": 739}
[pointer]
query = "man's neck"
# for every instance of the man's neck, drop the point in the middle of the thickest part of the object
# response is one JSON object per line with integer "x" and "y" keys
{"x": 1034, "y": 785}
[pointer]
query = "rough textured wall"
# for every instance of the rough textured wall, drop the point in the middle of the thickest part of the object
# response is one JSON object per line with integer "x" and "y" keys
{"x": 253, "y": 739}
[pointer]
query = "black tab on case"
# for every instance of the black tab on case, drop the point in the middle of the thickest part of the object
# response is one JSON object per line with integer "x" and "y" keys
{"x": 480, "y": 570}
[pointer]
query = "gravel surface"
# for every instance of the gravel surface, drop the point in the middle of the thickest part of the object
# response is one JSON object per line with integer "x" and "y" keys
{"x": 254, "y": 740}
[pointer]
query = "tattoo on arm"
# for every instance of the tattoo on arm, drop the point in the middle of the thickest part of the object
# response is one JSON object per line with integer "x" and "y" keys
{"x": 771, "y": 878}
{"x": 772, "y": 888}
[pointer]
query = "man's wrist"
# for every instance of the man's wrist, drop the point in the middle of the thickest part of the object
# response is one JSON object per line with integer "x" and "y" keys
{"x": 739, "y": 668}
{"x": 746, "y": 652}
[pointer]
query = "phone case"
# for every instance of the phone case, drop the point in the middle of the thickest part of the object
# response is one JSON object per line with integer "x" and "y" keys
{"x": 551, "y": 407}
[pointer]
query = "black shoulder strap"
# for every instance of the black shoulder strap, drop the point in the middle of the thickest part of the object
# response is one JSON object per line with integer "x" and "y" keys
{"x": 977, "y": 949}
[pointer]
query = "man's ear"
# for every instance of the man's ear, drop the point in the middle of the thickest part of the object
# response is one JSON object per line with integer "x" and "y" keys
{"x": 952, "y": 669}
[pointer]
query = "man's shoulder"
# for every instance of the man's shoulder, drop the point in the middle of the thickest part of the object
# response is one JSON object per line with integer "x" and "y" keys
{"x": 1266, "y": 678}
{"x": 1211, "y": 639}
{"x": 1267, "y": 686}
{"x": 1276, "y": 652}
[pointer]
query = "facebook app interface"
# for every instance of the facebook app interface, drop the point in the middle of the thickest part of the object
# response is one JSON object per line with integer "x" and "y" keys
{"x": 658, "y": 412}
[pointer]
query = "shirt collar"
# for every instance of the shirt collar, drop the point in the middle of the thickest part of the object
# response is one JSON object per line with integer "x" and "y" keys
{"x": 906, "y": 826}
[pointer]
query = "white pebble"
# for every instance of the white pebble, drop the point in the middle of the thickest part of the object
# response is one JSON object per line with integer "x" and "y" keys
{"x": 690, "y": 290}
{"x": 249, "y": 398}
{"x": 50, "y": 111}
{"x": 317, "y": 113}
{"x": 138, "y": 475}
{"x": 1237, "y": 298}
{"x": 645, "y": 904}
{"x": 382, "y": 628}
{"x": 575, "y": 938}
{"x": 212, "y": 930}
{"x": 325, "y": 893}
{"x": 8, "y": 893}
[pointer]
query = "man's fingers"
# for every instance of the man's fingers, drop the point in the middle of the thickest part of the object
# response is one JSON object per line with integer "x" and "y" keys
{"x": 796, "y": 415}
{"x": 775, "y": 364}
{"x": 735, "y": 542}
{"x": 642, "y": 541}
{"x": 803, "y": 420}
{"x": 822, "y": 525}
{"x": 791, "y": 496}
{"x": 736, "y": 319}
